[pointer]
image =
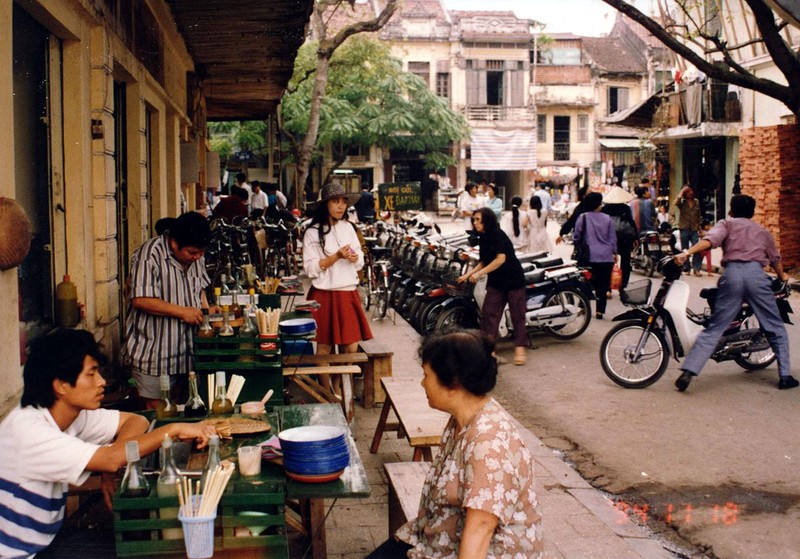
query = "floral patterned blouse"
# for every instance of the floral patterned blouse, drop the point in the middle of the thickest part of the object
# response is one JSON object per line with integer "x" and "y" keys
{"x": 483, "y": 466}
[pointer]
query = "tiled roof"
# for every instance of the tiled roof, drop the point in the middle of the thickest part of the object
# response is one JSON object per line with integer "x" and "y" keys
{"x": 611, "y": 55}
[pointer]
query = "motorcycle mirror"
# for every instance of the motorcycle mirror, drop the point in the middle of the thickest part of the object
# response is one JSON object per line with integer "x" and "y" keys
{"x": 438, "y": 229}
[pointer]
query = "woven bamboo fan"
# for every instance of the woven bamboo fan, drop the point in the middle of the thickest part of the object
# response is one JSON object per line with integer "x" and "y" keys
{"x": 15, "y": 234}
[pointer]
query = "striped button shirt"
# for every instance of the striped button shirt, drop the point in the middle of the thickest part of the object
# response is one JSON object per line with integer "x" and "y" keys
{"x": 156, "y": 344}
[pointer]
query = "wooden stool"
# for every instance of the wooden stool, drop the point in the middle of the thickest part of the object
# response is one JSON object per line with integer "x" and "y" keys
{"x": 379, "y": 365}
{"x": 405, "y": 490}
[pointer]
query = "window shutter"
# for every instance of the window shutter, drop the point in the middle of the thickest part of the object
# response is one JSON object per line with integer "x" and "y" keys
{"x": 622, "y": 99}
{"x": 516, "y": 88}
{"x": 472, "y": 87}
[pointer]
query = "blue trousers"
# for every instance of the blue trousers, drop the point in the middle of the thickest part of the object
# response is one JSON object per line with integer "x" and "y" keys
{"x": 690, "y": 238}
{"x": 742, "y": 281}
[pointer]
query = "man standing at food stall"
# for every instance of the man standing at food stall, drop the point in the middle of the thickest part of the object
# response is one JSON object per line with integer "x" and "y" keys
{"x": 167, "y": 281}
{"x": 59, "y": 435}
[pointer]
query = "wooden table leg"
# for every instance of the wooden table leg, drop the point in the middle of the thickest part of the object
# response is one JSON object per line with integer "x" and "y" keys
{"x": 376, "y": 438}
{"x": 369, "y": 384}
{"x": 316, "y": 528}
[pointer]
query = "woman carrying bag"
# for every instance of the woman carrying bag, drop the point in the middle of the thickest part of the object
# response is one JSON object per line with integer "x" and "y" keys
{"x": 596, "y": 230}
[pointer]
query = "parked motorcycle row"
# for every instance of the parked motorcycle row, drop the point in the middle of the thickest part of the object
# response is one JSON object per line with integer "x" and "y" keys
{"x": 424, "y": 291}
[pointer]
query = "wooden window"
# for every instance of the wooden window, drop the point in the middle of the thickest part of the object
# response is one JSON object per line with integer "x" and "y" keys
{"x": 541, "y": 128}
{"x": 443, "y": 84}
{"x": 617, "y": 99}
{"x": 421, "y": 69}
{"x": 583, "y": 129}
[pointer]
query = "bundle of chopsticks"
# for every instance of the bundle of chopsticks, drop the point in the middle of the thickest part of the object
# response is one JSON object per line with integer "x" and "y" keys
{"x": 268, "y": 320}
{"x": 208, "y": 501}
{"x": 269, "y": 285}
{"x": 235, "y": 388}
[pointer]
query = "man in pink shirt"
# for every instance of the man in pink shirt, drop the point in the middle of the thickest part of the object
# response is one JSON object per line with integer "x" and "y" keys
{"x": 747, "y": 249}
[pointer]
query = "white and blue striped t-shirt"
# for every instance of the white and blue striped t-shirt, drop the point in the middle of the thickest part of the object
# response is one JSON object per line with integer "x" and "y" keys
{"x": 38, "y": 462}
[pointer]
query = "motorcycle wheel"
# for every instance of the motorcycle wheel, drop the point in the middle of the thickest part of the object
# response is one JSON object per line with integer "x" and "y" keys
{"x": 756, "y": 360}
{"x": 580, "y": 324}
{"x": 455, "y": 317}
{"x": 650, "y": 266}
{"x": 617, "y": 346}
{"x": 416, "y": 318}
{"x": 429, "y": 318}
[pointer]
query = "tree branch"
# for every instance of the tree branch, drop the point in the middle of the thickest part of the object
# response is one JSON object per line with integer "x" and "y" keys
{"x": 327, "y": 46}
{"x": 778, "y": 91}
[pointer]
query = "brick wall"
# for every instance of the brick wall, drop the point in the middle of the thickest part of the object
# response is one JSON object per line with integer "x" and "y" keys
{"x": 562, "y": 75}
{"x": 769, "y": 157}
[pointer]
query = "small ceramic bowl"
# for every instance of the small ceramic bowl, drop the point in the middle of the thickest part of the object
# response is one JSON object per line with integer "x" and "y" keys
{"x": 252, "y": 408}
{"x": 255, "y": 516}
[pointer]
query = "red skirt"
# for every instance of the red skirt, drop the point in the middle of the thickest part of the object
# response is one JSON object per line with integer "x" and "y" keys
{"x": 340, "y": 318}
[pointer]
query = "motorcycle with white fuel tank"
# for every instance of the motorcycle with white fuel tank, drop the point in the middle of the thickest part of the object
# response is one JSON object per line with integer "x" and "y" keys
{"x": 635, "y": 353}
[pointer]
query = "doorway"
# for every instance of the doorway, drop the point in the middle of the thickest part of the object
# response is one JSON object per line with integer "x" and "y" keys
{"x": 561, "y": 138}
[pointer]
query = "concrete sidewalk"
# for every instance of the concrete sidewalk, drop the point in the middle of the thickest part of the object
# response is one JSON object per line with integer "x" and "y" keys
{"x": 579, "y": 521}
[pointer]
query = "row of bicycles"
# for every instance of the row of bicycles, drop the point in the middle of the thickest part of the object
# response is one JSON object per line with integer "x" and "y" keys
{"x": 412, "y": 268}
{"x": 252, "y": 247}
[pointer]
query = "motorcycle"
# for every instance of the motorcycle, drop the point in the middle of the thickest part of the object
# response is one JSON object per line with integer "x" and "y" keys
{"x": 650, "y": 249}
{"x": 557, "y": 296}
{"x": 635, "y": 353}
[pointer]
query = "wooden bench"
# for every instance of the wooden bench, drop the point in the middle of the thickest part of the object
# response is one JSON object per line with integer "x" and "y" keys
{"x": 405, "y": 490}
{"x": 379, "y": 365}
{"x": 417, "y": 421}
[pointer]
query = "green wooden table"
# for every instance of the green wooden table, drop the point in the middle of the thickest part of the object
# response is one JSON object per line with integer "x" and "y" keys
{"x": 311, "y": 496}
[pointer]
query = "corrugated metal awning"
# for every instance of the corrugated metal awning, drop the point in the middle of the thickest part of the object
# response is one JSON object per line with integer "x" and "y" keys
{"x": 625, "y": 143}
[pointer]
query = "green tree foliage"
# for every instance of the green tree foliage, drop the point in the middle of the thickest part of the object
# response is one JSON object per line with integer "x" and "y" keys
{"x": 370, "y": 100}
{"x": 232, "y": 136}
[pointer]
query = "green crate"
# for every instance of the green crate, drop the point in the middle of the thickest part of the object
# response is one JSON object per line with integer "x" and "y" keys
{"x": 137, "y": 527}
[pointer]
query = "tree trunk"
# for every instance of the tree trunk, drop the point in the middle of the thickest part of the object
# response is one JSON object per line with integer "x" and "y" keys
{"x": 310, "y": 139}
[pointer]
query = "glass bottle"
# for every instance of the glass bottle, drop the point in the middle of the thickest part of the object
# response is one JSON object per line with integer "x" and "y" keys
{"x": 212, "y": 462}
{"x": 194, "y": 407}
{"x": 166, "y": 407}
{"x": 205, "y": 330}
{"x": 222, "y": 405}
{"x": 225, "y": 292}
{"x": 226, "y": 329}
{"x": 167, "y": 486}
{"x": 134, "y": 484}
{"x": 217, "y": 295}
{"x": 236, "y": 308}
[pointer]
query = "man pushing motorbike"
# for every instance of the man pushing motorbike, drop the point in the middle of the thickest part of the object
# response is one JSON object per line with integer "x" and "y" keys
{"x": 747, "y": 248}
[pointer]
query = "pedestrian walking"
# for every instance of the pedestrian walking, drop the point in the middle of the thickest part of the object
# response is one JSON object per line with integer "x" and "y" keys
{"x": 537, "y": 227}
{"x": 615, "y": 205}
{"x": 514, "y": 223}
{"x": 747, "y": 248}
{"x": 505, "y": 282}
{"x": 332, "y": 257}
{"x": 596, "y": 230}
{"x": 689, "y": 222}
{"x": 493, "y": 201}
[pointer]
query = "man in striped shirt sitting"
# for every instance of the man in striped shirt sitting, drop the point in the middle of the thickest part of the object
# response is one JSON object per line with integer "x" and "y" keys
{"x": 59, "y": 436}
{"x": 167, "y": 291}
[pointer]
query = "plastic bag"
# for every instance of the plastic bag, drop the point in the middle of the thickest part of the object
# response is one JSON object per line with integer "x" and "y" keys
{"x": 616, "y": 277}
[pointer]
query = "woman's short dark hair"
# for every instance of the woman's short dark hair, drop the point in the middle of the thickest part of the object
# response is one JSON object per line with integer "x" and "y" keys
{"x": 743, "y": 205}
{"x": 461, "y": 358}
{"x": 469, "y": 186}
{"x": 493, "y": 187}
{"x": 191, "y": 230}
{"x": 489, "y": 219}
{"x": 56, "y": 355}
{"x": 593, "y": 200}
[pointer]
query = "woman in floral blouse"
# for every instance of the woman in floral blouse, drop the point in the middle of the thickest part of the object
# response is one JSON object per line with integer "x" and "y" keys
{"x": 479, "y": 498}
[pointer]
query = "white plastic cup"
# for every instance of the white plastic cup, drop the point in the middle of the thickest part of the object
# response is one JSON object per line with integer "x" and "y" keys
{"x": 249, "y": 460}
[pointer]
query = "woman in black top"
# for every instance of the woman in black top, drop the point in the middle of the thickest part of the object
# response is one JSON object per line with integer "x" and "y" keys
{"x": 505, "y": 283}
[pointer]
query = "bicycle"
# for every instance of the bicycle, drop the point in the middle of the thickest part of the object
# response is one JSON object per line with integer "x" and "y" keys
{"x": 376, "y": 278}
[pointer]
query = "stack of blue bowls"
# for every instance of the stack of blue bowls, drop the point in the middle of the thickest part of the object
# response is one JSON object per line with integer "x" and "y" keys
{"x": 314, "y": 451}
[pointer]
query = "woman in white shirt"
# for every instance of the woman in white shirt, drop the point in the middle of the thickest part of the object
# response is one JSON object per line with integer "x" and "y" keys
{"x": 469, "y": 203}
{"x": 332, "y": 257}
{"x": 515, "y": 225}
{"x": 537, "y": 227}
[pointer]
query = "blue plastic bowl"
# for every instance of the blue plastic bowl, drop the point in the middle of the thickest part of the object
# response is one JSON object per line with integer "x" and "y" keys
{"x": 318, "y": 467}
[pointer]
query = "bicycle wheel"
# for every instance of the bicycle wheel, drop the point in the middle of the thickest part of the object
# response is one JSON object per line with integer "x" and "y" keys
{"x": 617, "y": 355}
{"x": 381, "y": 302}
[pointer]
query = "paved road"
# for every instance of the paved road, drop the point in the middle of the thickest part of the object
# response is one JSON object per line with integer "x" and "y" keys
{"x": 717, "y": 465}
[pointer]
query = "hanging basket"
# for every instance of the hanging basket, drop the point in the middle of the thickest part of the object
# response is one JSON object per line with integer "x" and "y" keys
{"x": 15, "y": 234}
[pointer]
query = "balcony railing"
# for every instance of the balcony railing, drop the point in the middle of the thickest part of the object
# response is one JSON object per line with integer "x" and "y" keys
{"x": 498, "y": 113}
{"x": 715, "y": 104}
